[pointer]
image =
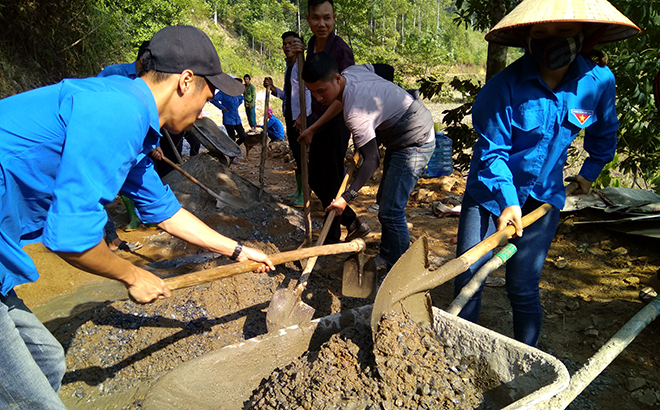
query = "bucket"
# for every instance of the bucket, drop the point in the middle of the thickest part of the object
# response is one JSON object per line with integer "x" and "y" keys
{"x": 225, "y": 379}
{"x": 440, "y": 163}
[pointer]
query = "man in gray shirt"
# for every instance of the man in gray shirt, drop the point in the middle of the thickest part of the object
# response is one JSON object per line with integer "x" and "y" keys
{"x": 376, "y": 112}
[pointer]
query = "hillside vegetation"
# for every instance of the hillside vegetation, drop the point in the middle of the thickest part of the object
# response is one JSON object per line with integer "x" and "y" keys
{"x": 44, "y": 41}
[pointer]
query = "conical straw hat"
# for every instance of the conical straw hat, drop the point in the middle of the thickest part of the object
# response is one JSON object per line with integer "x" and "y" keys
{"x": 531, "y": 12}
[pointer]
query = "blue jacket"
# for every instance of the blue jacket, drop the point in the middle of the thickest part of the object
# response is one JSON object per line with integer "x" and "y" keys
{"x": 229, "y": 107}
{"x": 124, "y": 70}
{"x": 60, "y": 164}
{"x": 275, "y": 128}
{"x": 525, "y": 130}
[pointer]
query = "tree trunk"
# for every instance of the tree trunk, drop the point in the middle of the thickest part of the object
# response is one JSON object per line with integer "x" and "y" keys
{"x": 496, "y": 53}
{"x": 298, "y": 5}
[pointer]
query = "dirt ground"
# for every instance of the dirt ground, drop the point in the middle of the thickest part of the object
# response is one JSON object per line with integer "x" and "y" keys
{"x": 116, "y": 349}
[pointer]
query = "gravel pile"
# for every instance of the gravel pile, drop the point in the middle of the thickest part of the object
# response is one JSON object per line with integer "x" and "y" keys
{"x": 410, "y": 367}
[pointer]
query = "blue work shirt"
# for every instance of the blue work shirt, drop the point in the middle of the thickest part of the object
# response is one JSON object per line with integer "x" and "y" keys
{"x": 275, "y": 128}
{"x": 229, "y": 107}
{"x": 65, "y": 152}
{"x": 124, "y": 70}
{"x": 525, "y": 129}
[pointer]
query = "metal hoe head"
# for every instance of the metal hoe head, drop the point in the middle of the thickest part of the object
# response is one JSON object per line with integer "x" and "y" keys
{"x": 286, "y": 309}
{"x": 359, "y": 277}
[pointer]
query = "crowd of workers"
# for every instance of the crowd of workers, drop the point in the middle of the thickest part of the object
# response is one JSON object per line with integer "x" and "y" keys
{"x": 526, "y": 117}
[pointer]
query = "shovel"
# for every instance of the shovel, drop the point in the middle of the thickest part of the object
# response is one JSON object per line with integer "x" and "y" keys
{"x": 286, "y": 307}
{"x": 196, "y": 278}
{"x": 405, "y": 286}
{"x": 475, "y": 283}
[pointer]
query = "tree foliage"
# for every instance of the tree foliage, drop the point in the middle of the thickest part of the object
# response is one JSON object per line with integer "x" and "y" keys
{"x": 634, "y": 63}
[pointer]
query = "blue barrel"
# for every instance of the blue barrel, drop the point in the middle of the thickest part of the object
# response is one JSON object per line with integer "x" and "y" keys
{"x": 440, "y": 163}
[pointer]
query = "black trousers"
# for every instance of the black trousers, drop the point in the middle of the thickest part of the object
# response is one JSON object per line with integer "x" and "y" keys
{"x": 292, "y": 135}
{"x": 326, "y": 170}
{"x": 233, "y": 130}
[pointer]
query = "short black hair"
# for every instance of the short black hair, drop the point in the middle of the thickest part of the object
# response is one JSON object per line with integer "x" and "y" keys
{"x": 290, "y": 34}
{"x": 142, "y": 49}
{"x": 314, "y": 3}
{"x": 320, "y": 67}
{"x": 247, "y": 76}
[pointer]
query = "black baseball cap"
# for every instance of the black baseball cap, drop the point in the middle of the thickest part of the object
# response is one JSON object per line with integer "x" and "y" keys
{"x": 177, "y": 48}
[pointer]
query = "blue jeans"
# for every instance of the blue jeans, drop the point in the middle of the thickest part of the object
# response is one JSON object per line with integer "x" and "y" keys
{"x": 31, "y": 359}
{"x": 109, "y": 230}
{"x": 523, "y": 270}
{"x": 401, "y": 170}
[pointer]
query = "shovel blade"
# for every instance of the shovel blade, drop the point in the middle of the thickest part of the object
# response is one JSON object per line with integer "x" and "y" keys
{"x": 395, "y": 293}
{"x": 286, "y": 309}
{"x": 360, "y": 277}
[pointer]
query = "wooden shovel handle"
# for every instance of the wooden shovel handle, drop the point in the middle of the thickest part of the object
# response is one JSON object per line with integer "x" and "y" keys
{"x": 500, "y": 237}
{"x": 302, "y": 283}
{"x": 196, "y": 278}
{"x": 303, "y": 151}
{"x": 192, "y": 178}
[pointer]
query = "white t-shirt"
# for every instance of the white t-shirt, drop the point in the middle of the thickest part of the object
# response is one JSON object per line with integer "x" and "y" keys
{"x": 370, "y": 100}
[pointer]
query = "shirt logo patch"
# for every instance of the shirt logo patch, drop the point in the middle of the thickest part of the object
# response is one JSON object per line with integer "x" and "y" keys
{"x": 582, "y": 115}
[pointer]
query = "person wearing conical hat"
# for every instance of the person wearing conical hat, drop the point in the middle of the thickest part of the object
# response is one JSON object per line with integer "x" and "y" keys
{"x": 526, "y": 117}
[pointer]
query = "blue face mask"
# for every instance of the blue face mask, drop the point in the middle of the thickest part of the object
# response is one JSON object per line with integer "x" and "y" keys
{"x": 555, "y": 52}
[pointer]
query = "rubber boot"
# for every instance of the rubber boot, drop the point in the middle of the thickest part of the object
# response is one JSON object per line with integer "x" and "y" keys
{"x": 299, "y": 183}
{"x": 300, "y": 201}
{"x": 135, "y": 221}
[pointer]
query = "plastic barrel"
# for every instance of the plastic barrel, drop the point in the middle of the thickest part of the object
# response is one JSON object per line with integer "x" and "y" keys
{"x": 440, "y": 163}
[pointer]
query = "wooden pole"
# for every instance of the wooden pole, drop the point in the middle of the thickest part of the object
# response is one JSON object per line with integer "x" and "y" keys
{"x": 303, "y": 151}
{"x": 264, "y": 146}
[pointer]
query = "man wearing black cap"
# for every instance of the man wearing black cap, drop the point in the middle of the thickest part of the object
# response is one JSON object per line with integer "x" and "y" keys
{"x": 59, "y": 167}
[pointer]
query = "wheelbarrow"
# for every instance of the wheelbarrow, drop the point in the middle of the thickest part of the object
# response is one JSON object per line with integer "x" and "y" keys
{"x": 215, "y": 140}
{"x": 225, "y": 378}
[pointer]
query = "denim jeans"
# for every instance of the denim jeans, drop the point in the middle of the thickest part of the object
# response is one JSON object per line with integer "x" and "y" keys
{"x": 523, "y": 270}
{"x": 401, "y": 170}
{"x": 109, "y": 230}
{"x": 31, "y": 359}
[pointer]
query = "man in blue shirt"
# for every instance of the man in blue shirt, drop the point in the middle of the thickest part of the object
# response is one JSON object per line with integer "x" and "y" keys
{"x": 58, "y": 168}
{"x": 129, "y": 70}
{"x": 526, "y": 117}
{"x": 275, "y": 128}
{"x": 229, "y": 104}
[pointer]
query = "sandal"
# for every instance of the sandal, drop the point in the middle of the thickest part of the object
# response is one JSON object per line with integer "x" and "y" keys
{"x": 647, "y": 294}
{"x": 129, "y": 246}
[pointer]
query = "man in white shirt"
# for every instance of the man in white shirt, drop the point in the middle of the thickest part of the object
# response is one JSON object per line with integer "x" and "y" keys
{"x": 291, "y": 106}
{"x": 376, "y": 112}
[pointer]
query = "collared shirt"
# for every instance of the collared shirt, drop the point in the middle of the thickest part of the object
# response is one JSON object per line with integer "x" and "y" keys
{"x": 250, "y": 95}
{"x": 275, "y": 128}
{"x": 124, "y": 70}
{"x": 370, "y": 101}
{"x": 341, "y": 52}
{"x": 295, "y": 95}
{"x": 229, "y": 107}
{"x": 525, "y": 129}
{"x": 60, "y": 164}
